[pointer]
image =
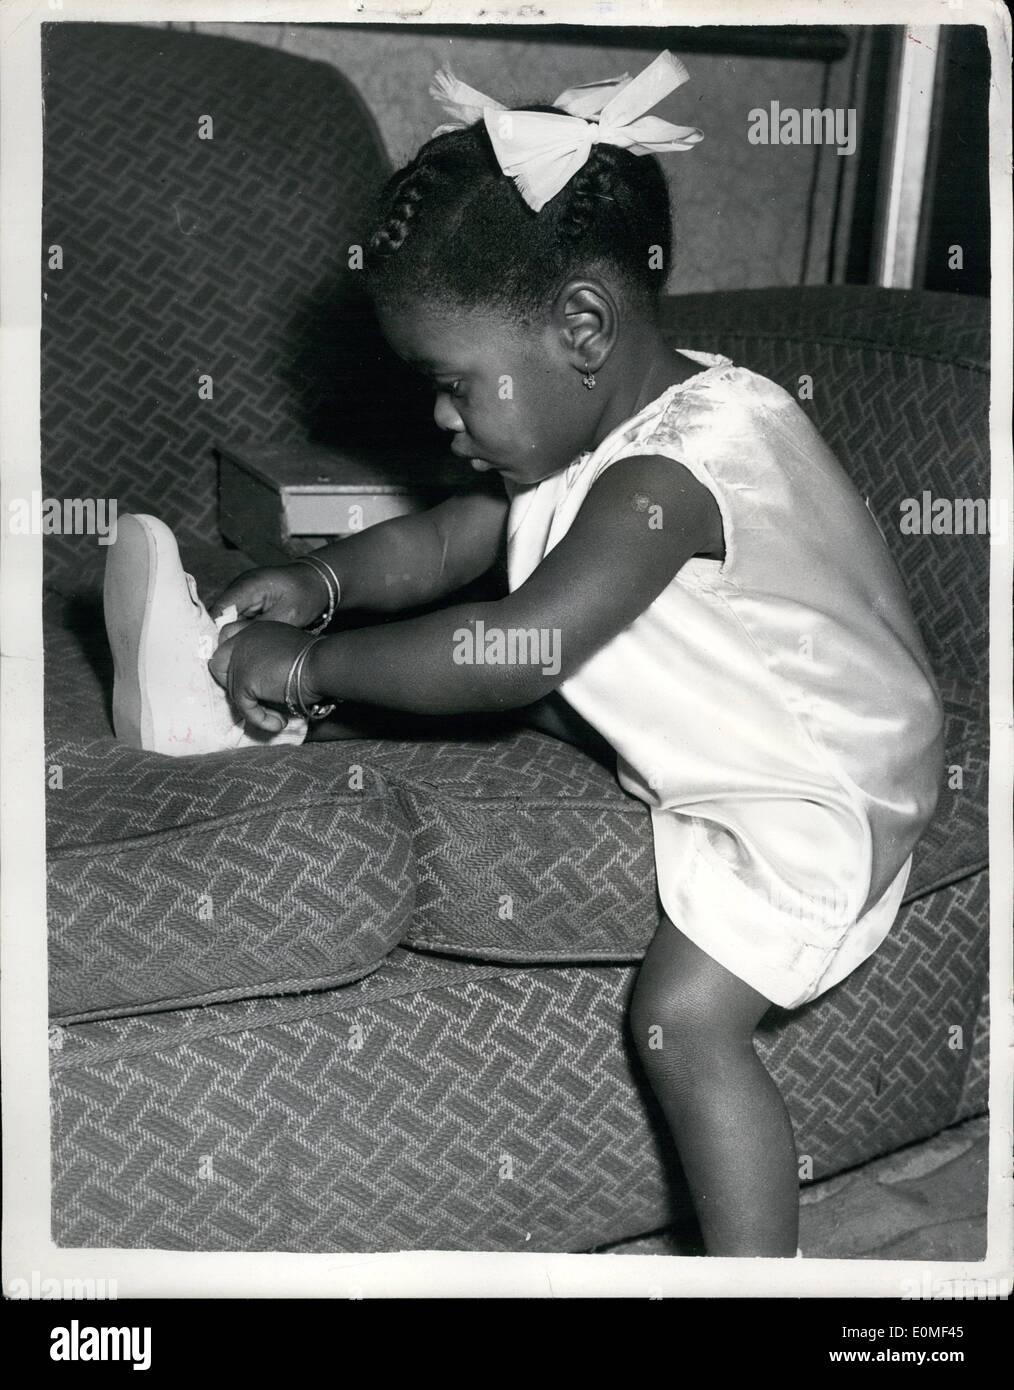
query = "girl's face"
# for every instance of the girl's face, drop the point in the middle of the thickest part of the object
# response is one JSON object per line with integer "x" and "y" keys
{"x": 506, "y": 393}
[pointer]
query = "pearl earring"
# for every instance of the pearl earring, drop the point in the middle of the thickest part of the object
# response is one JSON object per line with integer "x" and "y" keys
{"x": 588, "y": 378}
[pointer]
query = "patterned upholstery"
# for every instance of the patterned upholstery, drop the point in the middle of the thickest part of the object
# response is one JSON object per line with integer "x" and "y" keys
{"x": 236, "y": 876}
{"x": 451, "y": 1105}
{"x": 475, "y": 1088}
{"x": 184, "y": 256}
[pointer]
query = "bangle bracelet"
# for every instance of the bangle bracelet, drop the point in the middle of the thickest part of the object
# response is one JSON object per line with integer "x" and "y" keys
{"x": 332, "y": 584}
{"x": 327, "y": 569}
{"x": 331, "y": 603}
{"x": 294, "y": 701}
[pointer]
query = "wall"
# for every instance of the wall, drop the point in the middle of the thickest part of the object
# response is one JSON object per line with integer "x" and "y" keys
{"x": 741, "y": 210}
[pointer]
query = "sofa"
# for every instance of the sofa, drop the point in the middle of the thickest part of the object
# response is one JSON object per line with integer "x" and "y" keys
{"x": 370, "y": 994}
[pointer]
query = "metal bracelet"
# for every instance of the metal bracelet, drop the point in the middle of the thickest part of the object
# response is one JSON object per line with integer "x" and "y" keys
{"x": 332, "y": 584}
{"x": 287, "y": 697}
{"x": 294, "y": 701}
{"x": 316, "y": 559}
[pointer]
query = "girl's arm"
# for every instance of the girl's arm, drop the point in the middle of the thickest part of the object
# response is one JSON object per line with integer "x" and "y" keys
{"x": 641, "y": 521}
{"x": 406, "y": 562}
{"x": 412, "y": 560}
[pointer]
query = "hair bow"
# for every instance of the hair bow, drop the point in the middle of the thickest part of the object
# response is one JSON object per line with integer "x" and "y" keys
{"x": 542, "y": 150}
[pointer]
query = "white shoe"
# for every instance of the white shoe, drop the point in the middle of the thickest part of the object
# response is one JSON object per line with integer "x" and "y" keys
{"x": 161, "y": 636}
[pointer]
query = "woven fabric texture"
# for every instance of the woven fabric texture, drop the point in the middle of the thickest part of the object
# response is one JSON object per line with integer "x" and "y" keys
{"x": 974, "y": 1098}
{"x": 204, "y": 292}
{"x": 452, "y": 1105}
{"x": 269, "y": 877}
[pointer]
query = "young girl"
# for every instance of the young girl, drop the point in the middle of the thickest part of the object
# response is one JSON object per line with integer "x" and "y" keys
{"x": 724, "y": 610}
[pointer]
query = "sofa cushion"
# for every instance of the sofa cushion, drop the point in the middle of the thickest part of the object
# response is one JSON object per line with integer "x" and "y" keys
{"x": 510, "y": 847}
{"x": 527, "y": 849}
{"x": 514, "y": 847}
{"x": 176, "y": 881}
{"x": 522, "y": 848}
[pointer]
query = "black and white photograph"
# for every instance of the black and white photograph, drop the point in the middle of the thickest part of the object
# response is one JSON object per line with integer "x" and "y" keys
{"x": 506, "y": 599}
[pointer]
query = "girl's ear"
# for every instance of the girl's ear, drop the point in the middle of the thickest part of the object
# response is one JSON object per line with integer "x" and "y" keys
{"x": 586, "y": 316}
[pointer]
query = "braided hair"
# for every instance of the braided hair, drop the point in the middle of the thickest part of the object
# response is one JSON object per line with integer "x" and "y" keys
{"x": 451, "y": 226}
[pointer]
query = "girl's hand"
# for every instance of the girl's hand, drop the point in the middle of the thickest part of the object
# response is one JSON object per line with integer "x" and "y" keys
{"x": 252, "y": 665}
{"x": 293, "y": 594}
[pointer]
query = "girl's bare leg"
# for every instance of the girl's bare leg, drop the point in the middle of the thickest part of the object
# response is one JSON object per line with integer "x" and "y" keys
{"x": 693, "y": 1024}
{"x": 551, "y": 715}
{"x": 372, "y": 722}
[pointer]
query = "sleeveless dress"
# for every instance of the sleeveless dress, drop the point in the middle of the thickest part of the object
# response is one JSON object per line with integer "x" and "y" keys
{"x": 776, "y": 709}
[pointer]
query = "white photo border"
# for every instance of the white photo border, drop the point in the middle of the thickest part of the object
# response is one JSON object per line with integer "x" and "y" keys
{"x": 27, "y": 1245}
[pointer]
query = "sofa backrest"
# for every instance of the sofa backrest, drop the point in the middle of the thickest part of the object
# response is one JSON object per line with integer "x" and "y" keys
{"x": 205, "y": 292}
{"x": 897, "y": 381}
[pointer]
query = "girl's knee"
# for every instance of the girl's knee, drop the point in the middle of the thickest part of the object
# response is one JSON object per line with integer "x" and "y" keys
{"x": 659, "y": 1017}
{"x": 672, "y": 1018}
{"x": 663, "y": 991}
{"x": 681, "y": 982}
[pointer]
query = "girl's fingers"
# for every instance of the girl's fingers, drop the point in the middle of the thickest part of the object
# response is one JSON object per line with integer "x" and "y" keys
{"x": 232, "y": 630}
{"x": 229, "y": 676}
{"x": 218, "y": 664}
{"x": 256, "y": 714}
{"x": 248, "y": 598}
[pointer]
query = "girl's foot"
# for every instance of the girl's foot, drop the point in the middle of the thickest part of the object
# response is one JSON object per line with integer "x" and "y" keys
{"x": 164, "y": 698}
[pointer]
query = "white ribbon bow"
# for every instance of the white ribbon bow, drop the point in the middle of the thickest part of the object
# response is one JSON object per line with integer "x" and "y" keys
{"x": 541, "y": 151}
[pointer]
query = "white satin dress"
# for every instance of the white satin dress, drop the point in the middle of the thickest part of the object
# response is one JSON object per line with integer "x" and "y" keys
{"x": 775, "y": 710}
